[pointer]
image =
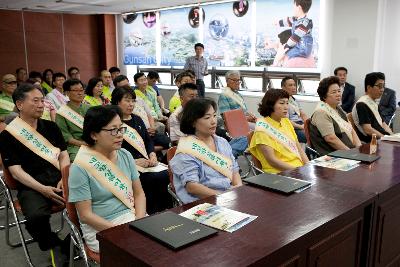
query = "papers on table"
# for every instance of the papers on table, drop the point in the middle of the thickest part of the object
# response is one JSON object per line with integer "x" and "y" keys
{"x": 218, "y": 217}
{"x": 393, "y": 137}
{"x": 160, "y": 167}
{"x": 335, "y": 163}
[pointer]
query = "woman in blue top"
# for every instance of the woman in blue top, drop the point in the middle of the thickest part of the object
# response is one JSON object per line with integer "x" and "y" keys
{"x": 98, "y": 208}
{"x": 193, "y": 178}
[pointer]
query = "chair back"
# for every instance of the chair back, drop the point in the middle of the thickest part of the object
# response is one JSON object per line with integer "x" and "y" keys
{"x": 72, "y": 214}
{"x": 256, "y": 162}
{"x": 170, "y": 154}
{"x": 9, "y": 179}
{"x": 236, "y": 123}
{"x": 351, "y": 120}
{"x": 307, "y": 131}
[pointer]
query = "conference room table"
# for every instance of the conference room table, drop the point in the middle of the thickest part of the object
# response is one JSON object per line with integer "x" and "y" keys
{"x": 381, "y": 178}
{"x": 344, "y": 219}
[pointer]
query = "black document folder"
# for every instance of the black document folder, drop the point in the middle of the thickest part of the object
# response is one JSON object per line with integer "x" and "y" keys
{"x": 277, "y": 182}
{"x": 172, "y": 229}
{"x": 354, "y": 154}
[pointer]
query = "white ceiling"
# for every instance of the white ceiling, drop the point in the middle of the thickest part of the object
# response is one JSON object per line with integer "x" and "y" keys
{"x": 93, "y": 6}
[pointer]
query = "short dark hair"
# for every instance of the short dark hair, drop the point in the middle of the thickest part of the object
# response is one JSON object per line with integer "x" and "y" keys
{"x": 19, "y": 69}
{"x": 69, "y": 83}
{"x": 35, "y": 74}
{"x": 118, "y": 79}
{"x": 96, "y": 118}
{"x": 286, "y": 78}
{"x": 91, "y": 85}
{"x": 266, "y": 107}
{"x": 324, "y": 84}
{"x": 138, "y": 75}
{"x": 339, "y": 69}
{"x": 71, "y": 69}
{"x": 119, "y": 93}
{"x": 305, "y": 4}
{"x": 153, "y": 75}
{"x": 114, "y": 69}
{"x": 22, "y": 90}
{"x": 198, "y": 45}
{"x": 184, "y": 87}
{"x": 371, "y": 78}
{"x": 194, "y": 110}
{"x": 57, "y": 75}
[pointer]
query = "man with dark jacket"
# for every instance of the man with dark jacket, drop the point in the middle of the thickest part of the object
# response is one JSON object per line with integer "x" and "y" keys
{"x": 348, "y": 90}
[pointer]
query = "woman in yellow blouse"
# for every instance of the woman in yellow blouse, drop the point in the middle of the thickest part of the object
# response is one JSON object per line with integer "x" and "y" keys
{"x": 274, "y": 142}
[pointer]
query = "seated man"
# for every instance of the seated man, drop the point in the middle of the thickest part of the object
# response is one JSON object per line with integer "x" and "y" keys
{"x": 348, "y": 90}
{"x": 56, "y": 96}
{"x": 387, "y": 105}
{"x": 34, "y": 151}
{"x": 108, "y": 86}
{"x": 187, "y": 92}
{"x": 366, "y": 113}
{"x": 152, "y": 79}
{"x": 6, "y": 102}
{"x": 295, "y": 114}
{"x": 230, "y": 98}
{"x": 70, "y": 116}
{"x": 181, "y": 78}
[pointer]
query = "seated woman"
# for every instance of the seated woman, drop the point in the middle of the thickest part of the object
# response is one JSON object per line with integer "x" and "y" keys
{"x": 329, "y": 127}
{"x": 203, "y": 164}
{"x": 138, "y": 142}
{"x": 103, "y": 182}
{"x": 94, "y": 93}
{"x": 274, "y": 141}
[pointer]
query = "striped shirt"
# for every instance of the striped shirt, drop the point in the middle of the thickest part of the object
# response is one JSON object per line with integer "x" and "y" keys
{"x": 302, "y": 27}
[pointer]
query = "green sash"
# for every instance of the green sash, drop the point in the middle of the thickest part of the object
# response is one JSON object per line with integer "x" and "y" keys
{"x": 47, "y": 87}
{"x": 71, "y": 115}
{"x": 148, "y": 102}
{"x": 107, "y": 174}
{"x": 263, "y": 126}
{"x": 134, "y": 139}
{"x": 33, "y": 140}
{"x": 139, "y": 111}
{"x": 198, "y": 149}
{"x": 6, "y": 105}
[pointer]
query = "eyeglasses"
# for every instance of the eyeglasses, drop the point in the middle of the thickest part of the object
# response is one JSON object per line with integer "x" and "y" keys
{"x": 235, "y": 80}
{"x": 115, "y": 131}
{"x": 380, "y": 85}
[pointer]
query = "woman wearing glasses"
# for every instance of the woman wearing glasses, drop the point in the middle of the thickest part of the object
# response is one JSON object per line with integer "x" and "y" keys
{"x": 329, "y": 129}
{"x": 103, "y": 183}
{"x": 139, "y": 143}
{"x": 69, "y": 117}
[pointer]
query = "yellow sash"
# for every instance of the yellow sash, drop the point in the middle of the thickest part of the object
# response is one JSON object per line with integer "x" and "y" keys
{"x": 7, "y": 105}
{"x": 148, "y": 102}
{"x": 71, "y": 115}
{"x": 263, "y": 126}
{"x": 139, "y": 111}
{"x": 107, "y": 174}
{"x": 372, "y": 106}
{"x": 46, "y": 114}
{"x": 33, "y": 140}
{"x": 198, "y": 149}
{"x": 228, "y": 92}
{"x": 106, "y": 91}
{"x": 134, "y": 139}
{"x": 93, "y": 101}
{"x": 47, "y": 87}
{"x": 293, "y": 105}
{"x": 344, "y": 125}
